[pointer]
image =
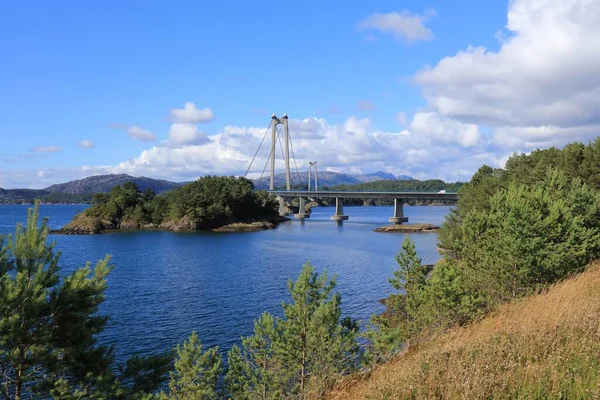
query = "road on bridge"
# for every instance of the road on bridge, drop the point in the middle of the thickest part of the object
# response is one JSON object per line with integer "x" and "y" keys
{"x": 367, "y": 195}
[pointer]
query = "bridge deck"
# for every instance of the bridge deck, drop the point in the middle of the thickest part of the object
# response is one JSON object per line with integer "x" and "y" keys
{"x": 366, "y": 195}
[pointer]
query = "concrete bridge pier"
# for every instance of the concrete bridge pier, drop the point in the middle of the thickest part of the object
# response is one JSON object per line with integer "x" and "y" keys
{"x": 339, "y": 211}
{"x": 282, "y": 206}
{"x": 302, "y": 210}
{"x": 398, "y": 217}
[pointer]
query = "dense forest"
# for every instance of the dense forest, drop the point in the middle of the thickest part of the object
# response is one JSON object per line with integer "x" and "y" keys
{"x": 208, "y": 203}
{"x": 515, "y": 232}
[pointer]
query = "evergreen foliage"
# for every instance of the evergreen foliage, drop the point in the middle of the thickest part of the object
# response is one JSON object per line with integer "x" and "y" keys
{"x": 196, "y": 372}
{"x": 49, "y": 325}
{"x": 256, "y": 370}
{"x": 209, "y": 202}
{"x": 515, "y": 231}
{"x": 430, "y": 185}
{"x": 300, "y": 354}
{"x": 387, "y": 333}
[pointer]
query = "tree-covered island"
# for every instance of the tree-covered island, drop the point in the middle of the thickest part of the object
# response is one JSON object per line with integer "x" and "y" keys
{"x": 210, "y": 203}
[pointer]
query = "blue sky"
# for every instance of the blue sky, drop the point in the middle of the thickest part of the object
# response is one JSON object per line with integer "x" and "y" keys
{"x": 402, "y": 86}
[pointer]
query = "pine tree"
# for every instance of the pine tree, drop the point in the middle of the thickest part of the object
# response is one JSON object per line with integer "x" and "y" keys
{"x": 387, "y": 333}
{"x": 255, "y": 370}
{"x": 298, "y": 355}
{"x": 409, "y": 278}
{"x": 48, "y": 328}
{"x": 49, "y": 325}
{"x": 317, "y": 345}
{"x": 196, "y": 372}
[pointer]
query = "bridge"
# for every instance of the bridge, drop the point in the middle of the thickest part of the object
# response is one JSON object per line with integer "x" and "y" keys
{"x": 285, "y": 196}
{"x": 398, "y": 197}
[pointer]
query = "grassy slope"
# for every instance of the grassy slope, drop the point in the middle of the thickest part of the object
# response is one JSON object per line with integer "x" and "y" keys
{"x": 547, "y": 346}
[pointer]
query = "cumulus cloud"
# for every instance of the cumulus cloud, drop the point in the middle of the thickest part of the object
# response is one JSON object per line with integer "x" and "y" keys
{"x": 445, "y": 130}
{"x": 86, "y": 144}
{"x": 138, "y": 133}
{"x": 365, "y": 105}
{"x": 353, "y": 145}
{"x": 189, "y": 114}
{"x": 403, "y": 26}
{"x": 186, "y": 134}
{"x": 541, "y": 88}
{"x": 429, "y": 147}
{"x": 46, "y": 149}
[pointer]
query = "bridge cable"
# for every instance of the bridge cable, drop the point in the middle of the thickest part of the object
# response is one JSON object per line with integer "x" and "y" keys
{"x": 281, "y": 147}
{"x": 257, "y": 150}
{"x": 294, "y": 157}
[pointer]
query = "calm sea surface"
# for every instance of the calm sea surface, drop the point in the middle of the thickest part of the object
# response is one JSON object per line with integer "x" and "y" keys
{"x": 166, "y": 285}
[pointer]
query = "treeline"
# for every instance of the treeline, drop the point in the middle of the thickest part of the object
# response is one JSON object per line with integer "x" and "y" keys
{"x": 28, "y": 196}
{"x": 430, "y": 185}
{"x": 515, "y": 231}
{"x": 400, "y": 185}
{"x": 209, "y": 202}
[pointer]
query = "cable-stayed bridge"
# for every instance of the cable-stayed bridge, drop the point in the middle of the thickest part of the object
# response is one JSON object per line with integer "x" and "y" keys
{"x": 285, "y": 196}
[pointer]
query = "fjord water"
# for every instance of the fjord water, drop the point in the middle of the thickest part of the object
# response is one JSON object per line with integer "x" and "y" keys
{"x": 165, "y": 284}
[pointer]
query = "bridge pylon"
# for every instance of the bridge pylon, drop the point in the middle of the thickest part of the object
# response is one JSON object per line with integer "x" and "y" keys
{"x": 274, "y": 122}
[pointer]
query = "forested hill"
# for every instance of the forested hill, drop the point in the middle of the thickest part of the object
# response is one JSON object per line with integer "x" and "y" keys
{"x": 211, "y": 202}
{"x": 82, "y": 190}
{"x": 400, "y": 185}
{"x": 10, "y": 196}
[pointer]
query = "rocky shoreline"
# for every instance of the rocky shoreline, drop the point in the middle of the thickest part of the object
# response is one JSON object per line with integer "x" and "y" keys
{"x": 408, "y": 228}
{"x": 85, "y": 225}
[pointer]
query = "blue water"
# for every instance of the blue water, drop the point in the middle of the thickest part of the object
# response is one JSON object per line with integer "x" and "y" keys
{"x": 166, "y": 284}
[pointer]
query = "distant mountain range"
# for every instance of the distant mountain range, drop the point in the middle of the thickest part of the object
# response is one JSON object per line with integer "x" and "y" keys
{"x": 104, "y": 183}
{"x": 81, "y": 190}
{"x": 327, "y": 178}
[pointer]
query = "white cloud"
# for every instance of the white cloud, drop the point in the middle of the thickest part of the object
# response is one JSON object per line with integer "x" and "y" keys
{"x": 429, "y": 148}
{"x": 138, "y": 133}
{"x": 46, "y": 149}
{"x": 351, "y": 146}
{"x": 403, "y": 26}
{"x": 86, "y": 144}
{"x": 189, "y": 114}
{"x": 541, "y": 88}
{"x": 186, "y": 134}
{"x": 445, "y": 130}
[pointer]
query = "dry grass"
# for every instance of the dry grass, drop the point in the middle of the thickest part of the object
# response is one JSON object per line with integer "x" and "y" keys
{"x": 546, "y": 346}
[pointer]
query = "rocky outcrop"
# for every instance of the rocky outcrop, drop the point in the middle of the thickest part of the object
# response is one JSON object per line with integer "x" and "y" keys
{"x": 83, "y": 224}
{"x": 246, "y": 227}
{"x": 183, "y": 224}
{"x": 408, "y": 228}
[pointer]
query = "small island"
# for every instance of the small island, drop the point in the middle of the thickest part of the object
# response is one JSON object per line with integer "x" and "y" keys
{"x": 218, "y": 203}
{"x": 408, "y": 228}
